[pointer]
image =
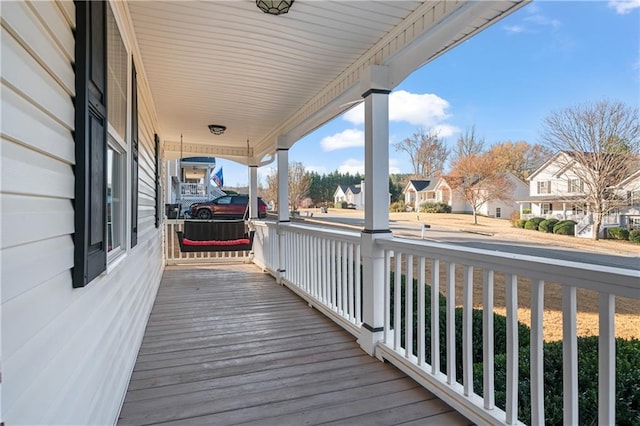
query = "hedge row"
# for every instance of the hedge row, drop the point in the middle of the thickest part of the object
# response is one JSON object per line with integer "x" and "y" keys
{"x": 624, "y": 234}
{"x": 555, "y": 226}
{"x": 435, "y": 208}
{"x": 627, "y": 362}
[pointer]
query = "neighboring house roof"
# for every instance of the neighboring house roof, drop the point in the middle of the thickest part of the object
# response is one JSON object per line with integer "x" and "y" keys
{"x": 421, "y": 185}
{"x": 355, "y": 189}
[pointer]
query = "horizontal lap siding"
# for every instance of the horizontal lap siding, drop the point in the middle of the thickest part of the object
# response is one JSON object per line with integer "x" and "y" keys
{"x": 66, "y": 354}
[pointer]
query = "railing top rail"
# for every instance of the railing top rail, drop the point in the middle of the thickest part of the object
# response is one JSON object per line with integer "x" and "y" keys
{"x": 616, "y": 281}
{"x": 323, "y": 231}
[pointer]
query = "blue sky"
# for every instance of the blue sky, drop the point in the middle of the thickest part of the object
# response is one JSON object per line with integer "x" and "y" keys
{"x": 505, "y": 81}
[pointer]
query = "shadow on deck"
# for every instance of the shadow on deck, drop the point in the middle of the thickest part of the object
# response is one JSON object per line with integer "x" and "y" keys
{"x": 226, "y": 345}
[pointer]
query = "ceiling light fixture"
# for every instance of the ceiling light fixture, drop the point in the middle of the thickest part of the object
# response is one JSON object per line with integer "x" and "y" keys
{"x": 274, "y": 7}
{"x": 217, "y": 129}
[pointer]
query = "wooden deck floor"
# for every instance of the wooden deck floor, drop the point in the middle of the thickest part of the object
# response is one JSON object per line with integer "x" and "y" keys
{"x": 226, "y": 345}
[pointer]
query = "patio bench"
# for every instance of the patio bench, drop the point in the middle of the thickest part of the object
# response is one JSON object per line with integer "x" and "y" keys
{"x": 215, "y": 235}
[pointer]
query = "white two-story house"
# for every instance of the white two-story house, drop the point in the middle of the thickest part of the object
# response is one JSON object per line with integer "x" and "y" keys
{"x": 556, "y": 191}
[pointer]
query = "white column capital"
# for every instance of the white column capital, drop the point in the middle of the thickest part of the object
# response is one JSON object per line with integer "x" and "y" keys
{"x": 374, "y": 79}
{"x": 282, "y": 142}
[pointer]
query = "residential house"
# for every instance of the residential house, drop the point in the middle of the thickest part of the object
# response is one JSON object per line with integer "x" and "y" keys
{"x": 440, "y": 191}
{"x": 419, "y": 191}
{"x": 95, "y": 99}
{"x": 556, "y": 191}
{"x": 353, "y": 195}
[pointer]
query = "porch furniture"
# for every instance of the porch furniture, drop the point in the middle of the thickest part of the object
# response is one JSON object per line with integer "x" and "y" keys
{"x": 215, "y": 235}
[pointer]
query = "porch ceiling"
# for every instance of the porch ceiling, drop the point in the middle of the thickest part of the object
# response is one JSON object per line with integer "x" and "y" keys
{"x": 267, "y": 77}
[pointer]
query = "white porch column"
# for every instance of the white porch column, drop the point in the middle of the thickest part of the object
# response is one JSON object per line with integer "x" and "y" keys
{"x": 283, "y": 207}
{"x": 253, "y": 192}
{"x": 375, "y": 88}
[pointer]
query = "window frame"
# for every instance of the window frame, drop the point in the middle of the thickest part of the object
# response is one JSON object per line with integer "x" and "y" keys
{"x": 115, "y": 252}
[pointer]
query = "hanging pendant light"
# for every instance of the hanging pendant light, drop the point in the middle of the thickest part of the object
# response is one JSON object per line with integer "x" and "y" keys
{"x": 274, "y": 7}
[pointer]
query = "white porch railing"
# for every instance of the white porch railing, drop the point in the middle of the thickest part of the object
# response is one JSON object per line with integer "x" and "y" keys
{"x": 323, "y": 266}
{"x": 193, "y": 189}
{"x": 174, "y": 256}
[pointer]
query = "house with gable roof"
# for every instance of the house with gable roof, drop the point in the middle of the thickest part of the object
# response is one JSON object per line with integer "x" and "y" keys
{"x": 353, "y": 195}
{"x": 557, "y": 191}
{"x": 439, "y": 190}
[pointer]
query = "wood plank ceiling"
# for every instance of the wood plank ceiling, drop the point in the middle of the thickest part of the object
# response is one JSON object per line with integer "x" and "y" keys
{"x": 264, "y": 76}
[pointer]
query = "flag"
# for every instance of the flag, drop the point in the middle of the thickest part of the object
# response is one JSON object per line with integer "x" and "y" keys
{"x": 218, "y": 179}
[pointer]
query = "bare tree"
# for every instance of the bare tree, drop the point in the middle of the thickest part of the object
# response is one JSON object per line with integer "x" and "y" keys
{"x": 601, "y": 146}
{"x": 477, "y": 179}
{"x": 468, "y": 144}
{"x": 519, "y": 158}
{"x": 269, "y": 192}
{"x": 299, "y": 184}
{"x": 427, "y": 152}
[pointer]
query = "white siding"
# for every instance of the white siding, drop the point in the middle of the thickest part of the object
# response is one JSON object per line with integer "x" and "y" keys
{"x": 66, "y": 354}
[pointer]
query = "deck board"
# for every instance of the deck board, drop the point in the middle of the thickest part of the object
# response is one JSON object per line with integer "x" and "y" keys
{"x": 226, "y": 345}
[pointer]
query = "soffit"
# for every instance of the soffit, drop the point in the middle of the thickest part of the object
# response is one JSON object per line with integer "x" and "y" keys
{"x": 263, "y": 76}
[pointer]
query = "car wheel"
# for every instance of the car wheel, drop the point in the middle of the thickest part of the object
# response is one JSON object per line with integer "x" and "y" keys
{"x": 204, "y": 214}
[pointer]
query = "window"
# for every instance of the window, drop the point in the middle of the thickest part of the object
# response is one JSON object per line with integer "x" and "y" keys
{"x": 498, "y": 212}
{"x": 116, "y": 161}
{"x": 633, "y": 198}
{"x": 224, "y": 200}
{"x": 101, "y": 106}
{"x": 544, "y": 187}
{"x": 547, "y": 208}
{"x": 579, "y": 209}
{"x": 116, "y": 78}
{"x": 575, "y": 185}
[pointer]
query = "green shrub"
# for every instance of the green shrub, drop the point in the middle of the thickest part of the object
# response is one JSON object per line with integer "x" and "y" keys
{"x": 634, "y": 236}
{"x": 547, "y": 225}
{"x": 341, "y": 204}
{"x": 533, "y": 223}
{"x": 627, "y": 382}
{"x": 618, "y": 233}
{"x": 435, "y": 208}
{"x": 521, "y": 223}
{"x": 565, "y": 227}
{"x": 526, "y": 211}
{"x": 499, "y": 324}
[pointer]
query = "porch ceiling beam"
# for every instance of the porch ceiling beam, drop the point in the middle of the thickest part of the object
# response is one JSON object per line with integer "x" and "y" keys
{"x": 172, "y": 149}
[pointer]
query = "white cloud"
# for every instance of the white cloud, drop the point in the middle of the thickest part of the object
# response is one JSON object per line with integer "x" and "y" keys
{"x": 513, "y": 29}
{"x": 622, "y": 7}
{"x": 426, "y": 109}
{"x": 346, "y": 139}
{"x": 352, "y": 166}
{"x": 543, "y": 21}
{"x": 445, "y": 130}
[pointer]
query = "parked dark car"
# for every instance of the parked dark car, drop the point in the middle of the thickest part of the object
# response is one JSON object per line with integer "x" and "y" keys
{"x": 226, "y": 207}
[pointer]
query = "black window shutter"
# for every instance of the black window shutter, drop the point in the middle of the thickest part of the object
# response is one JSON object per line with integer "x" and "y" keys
{"x": 134, "y": 156}
{"x": 90, "y": 251}
{"x": 156, "y": 139}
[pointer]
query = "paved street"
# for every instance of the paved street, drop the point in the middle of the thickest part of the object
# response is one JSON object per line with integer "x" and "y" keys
{"x": 489, "y": 242}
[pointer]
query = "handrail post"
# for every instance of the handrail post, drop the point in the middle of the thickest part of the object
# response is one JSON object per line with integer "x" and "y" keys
{"x": 372, "y": 292}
